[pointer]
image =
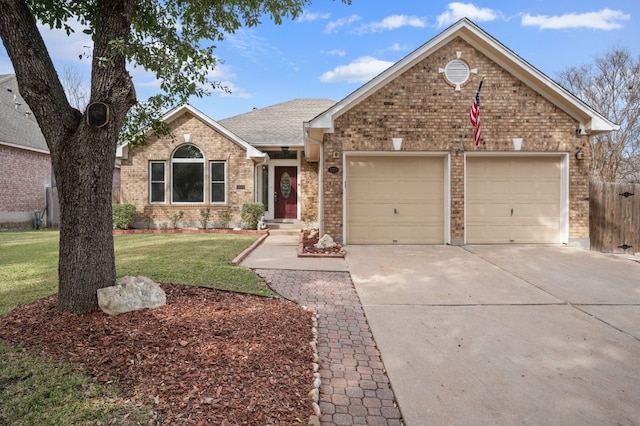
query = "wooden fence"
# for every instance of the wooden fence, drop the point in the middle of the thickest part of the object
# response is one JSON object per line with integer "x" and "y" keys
{"x": 115, "y": 195}
{"x": 614, "y": 218}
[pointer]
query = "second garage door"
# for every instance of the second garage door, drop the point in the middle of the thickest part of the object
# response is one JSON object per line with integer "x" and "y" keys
{"x": 513, "y": 200}
{"x": 395, "y": 200}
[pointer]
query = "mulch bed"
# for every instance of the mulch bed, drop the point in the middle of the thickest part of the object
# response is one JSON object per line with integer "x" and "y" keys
{"x": 207, "y": 357}
{"x": 310, "y": 237}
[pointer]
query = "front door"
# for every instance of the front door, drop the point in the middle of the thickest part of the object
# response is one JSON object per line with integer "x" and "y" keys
{"x": 286, "y": 193}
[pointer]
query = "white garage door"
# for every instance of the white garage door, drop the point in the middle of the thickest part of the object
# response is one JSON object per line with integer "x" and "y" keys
{"x": 395, "y": 200}
{"x": 513, "y": 200}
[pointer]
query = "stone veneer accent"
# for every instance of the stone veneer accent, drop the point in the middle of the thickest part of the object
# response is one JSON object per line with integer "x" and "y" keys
{"x": 215, "y": 147}
{"x": 421, "y": 107}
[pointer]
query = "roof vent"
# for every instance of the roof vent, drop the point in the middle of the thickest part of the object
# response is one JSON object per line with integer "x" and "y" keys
{"x": 457, "y": 72}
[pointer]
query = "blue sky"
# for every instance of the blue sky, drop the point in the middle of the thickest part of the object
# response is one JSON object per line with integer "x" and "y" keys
{"x": 332, "y": 49}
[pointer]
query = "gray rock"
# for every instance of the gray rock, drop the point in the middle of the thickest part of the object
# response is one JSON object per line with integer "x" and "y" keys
{"x": 131, "y": 294}
{"x": 325, "y": 242}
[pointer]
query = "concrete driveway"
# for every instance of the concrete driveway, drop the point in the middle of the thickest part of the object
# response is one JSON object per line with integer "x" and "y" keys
{"x": 504, "y": 335}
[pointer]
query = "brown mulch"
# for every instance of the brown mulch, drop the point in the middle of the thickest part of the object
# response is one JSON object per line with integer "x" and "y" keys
{"x": 207, "y": 357}
{"x": 311, "y": 237}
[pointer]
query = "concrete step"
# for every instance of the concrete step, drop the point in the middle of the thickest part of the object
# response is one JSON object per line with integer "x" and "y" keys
{"x": 283, "y": 226}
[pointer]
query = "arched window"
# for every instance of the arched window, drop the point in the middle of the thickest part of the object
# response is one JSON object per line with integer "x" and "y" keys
{"x": 187, "y": 173}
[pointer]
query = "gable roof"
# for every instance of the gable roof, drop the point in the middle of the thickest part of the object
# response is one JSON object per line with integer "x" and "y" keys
{"x": 277, "y": 125}
{"x": 18, "y": 127}
{"x": 252, "y": 153}
{"x": 589, "y": 120}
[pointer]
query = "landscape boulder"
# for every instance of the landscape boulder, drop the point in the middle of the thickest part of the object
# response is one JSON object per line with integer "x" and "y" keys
{"x": 325, "y": 242}
{"x": 131, "y": 294}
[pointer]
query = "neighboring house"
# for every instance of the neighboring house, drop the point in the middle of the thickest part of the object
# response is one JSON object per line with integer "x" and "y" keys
{"x": 395, "y": 161}
{"x": 25, "y": 164}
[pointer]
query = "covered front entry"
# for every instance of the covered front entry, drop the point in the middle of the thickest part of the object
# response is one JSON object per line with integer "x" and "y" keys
{"x": 513, "y": 199}
{"x": 395, "y": 199}
{"x": 286, "y": 193}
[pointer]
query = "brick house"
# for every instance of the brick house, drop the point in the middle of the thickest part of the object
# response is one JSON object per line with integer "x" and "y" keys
{"x": 395, "y": 162}
{"x": 399, "y": 164}
{"x": 209, "y": 164}
{"x": 25, "y": 163}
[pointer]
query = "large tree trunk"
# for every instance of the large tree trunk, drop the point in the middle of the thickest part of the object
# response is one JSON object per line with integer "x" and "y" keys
{"x": 84, "y": 176}
{"x": 83, "y": 156}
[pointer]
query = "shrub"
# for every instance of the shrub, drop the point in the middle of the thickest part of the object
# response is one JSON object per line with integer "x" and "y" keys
{"x": 225, "y": 218}
{"x": 148, "y": 215}
{"x": 205, "y": 214}
{"x": 250, "y": 214}
{"x": 123, "y": 215}
{"x": 175, "y": 219}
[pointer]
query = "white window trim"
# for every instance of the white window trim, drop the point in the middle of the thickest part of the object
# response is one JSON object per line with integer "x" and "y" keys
{"x": 224, "y": 163}
{"x": 151, "y": 181}
{"x": 204, "y": 175}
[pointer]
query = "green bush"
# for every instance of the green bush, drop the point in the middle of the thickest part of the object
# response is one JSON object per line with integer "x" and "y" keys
{"x": 250, "y": 214}
{"x": 124, "y": 215}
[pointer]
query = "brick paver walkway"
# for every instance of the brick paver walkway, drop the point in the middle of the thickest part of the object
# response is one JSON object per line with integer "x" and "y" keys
{"x": 355, "y": 388}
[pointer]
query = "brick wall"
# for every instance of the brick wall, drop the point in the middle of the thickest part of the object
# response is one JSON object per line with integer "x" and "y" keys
{"x": 25, "y": 174}
{"x": 309, "y": 189}
{"x": 214, "y": 146}
{"x": 425, "y": 110}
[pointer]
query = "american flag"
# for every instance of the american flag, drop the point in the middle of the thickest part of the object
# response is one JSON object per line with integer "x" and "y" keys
{"x": 474, "y": 115}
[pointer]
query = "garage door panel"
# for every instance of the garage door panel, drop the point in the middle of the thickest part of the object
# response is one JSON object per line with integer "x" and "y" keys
{"x": 513, "y": 199}
{"x": 395, "y": 199}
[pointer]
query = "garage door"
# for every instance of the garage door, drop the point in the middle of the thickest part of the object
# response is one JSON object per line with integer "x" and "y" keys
{"x": 395, "y": 200}
{"x": 513, "y": 200}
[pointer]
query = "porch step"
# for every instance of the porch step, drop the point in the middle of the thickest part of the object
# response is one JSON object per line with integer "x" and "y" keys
{"x": 282, "y": 226}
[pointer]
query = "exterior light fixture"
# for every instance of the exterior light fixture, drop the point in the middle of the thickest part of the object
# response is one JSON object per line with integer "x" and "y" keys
{"x": 517, "y": 143}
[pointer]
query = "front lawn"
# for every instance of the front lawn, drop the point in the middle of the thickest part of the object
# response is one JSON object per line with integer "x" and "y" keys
{"x": 29, "y": 262}
{"x": 37, "y": 391}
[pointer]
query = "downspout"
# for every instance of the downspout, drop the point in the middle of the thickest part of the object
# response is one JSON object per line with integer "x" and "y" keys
{"x": 320, "y": 180}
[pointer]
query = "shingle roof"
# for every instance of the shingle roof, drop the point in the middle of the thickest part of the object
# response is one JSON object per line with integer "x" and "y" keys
{"x": 18, "y": 127}
{"x": 277, "y": 125}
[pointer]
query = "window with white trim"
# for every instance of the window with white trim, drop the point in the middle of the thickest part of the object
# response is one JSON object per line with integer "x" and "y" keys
{"x": 157, "y": 182}
{"x": 218, "y": 173}
{"x": 187, "y": 175}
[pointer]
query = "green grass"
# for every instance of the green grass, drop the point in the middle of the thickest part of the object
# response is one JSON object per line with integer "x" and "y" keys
{"x": 34, "y": 391}
{"x": 29, "y": 262}
{"x": 38, "y": 392}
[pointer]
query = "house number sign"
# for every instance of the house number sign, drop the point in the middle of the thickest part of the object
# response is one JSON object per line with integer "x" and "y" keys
{"x": 285, "y": 185}
{"x": 333, "y": 169}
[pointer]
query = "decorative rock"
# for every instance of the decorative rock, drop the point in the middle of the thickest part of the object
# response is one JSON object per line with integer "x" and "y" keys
{"x": 317, "y": 382}
{"x": 316, "y": 409}
{"x": 131, "y": 294}
{"x": 314, "y": 421}
{"x": 314, "y": 394}
{"x": 325, "y": 242}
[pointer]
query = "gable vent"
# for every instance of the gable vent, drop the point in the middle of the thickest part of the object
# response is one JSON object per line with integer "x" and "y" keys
{"x": 457, "y": 72}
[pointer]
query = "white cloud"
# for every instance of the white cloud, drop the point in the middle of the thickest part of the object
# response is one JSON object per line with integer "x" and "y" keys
{"x": 458, "y": 10}
{"x": 312, "y": 16}
{"x": 335, "y": 52}
{"x": 395, "y": 47}
{"x": 334, "y": 25}
{"x": 392, "y": 22}
{"x": 605, "y": 19}
{"x": 63, "y": 47}
{"x": 359, "y": 71}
